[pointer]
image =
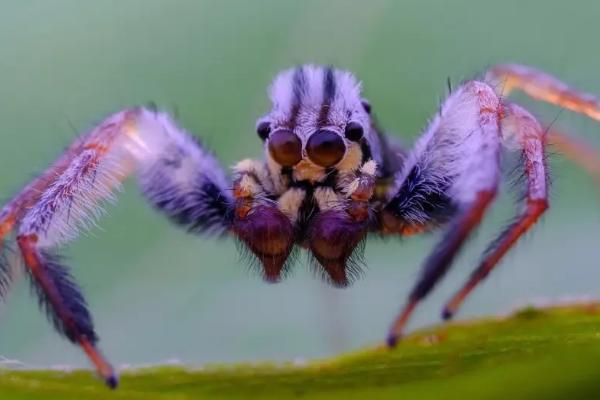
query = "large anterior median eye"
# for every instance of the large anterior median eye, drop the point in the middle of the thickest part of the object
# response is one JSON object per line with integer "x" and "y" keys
{"x": 285, "y": 148}
{"x": 325, "y": 148}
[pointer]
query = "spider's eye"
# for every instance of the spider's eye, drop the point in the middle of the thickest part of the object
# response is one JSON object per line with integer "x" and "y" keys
{"x": 285, "y": 148}
{"x": 354, "y": 131}
{"x": 325, "y": 148}
{"x": 263, "y": 129}
{"x": 366, "y": 105}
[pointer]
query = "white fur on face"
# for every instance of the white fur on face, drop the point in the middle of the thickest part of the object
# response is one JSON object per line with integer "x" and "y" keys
{"x": 308, "y": 98}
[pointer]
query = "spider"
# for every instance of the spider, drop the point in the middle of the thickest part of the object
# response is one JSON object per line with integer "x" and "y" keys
{"x": 329, "y": 178}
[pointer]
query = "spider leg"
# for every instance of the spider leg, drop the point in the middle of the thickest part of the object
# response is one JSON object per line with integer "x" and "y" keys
{"x": 176, "y": 174}
{"x": 578, "y": 152}
{"x": 64, "y": 303}
{"x": 440, "y": 261}
{"x": 542, "y": 86}
{"x": 57, "y": 291}
{"x": 16, "y": 208}
{"x": 531, "y": 138}
{"x": 451, "y": 177}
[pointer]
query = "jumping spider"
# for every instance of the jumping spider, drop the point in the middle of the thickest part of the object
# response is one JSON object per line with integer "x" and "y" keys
{"x": 329, "y": 178}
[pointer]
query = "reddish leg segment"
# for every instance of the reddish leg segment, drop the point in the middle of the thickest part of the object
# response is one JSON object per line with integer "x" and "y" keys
{"x": 544, "y": 87}
{"x": 439, "y": 262}
{"x": 578, "y": 152}
{"x": 456, "y": 164}
{"x": 46, "y": 195}
{"x": 65, "y": 304}
{"x": 104, "y": 136}
{"x": 176, "y": 174}
{"x": 57, "y": 290}
{"x": 18, "y": 206}
{"x": 532, "y": 141}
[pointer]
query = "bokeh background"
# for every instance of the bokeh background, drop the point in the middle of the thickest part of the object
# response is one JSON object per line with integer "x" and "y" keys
{"x": 158, "y": 294}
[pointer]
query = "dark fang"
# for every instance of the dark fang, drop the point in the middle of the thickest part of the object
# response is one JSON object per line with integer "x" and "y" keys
{"x": 269, "y": 234}
{"x": 354, "y": 131}
{"x": 334, "y": 237}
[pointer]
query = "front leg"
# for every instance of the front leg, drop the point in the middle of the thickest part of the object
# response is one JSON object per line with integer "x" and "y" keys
{"x": 451, "y": 177}
{"x": 177, "y": 175}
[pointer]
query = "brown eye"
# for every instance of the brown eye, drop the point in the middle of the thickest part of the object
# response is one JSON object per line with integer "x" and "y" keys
{"x": 263, "y": 129}
{"x": 285, "y": 148}
{"x": 325, "y": 148}
{"x": 354, "y": 131}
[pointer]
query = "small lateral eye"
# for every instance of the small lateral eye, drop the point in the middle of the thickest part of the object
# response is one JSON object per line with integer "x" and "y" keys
{"x": 263, "y": 129}
{"x": 354, "y": 131}
{"x": 366, "y": 105}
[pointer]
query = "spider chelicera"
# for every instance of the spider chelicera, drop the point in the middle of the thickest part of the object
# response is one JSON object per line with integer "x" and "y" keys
{"x": 329, "y": 178}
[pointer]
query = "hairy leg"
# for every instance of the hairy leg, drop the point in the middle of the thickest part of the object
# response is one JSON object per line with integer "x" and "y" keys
{"x": 177, "y": 175}
{"x": 18, "y": 206}
{"x": 57, "y": 291}
{"x": 441, "y": 259}
{"x": 578, "y": 152}
{"x": 544, "y": 87}
{"x": 64, "y": 303}
{"x": 450, "y": 178}
{"x": 531, "y": 139}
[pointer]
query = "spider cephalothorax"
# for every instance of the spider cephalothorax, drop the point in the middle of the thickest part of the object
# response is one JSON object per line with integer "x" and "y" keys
{"x": 315, "y": 188}
{"x": 328, "y": 179}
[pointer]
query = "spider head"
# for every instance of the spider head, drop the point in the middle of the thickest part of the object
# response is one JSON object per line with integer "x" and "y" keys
{"x": 318, "y": 121}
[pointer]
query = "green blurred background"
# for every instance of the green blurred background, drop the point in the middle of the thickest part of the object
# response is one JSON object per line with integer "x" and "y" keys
{"x": 159, "y": 294}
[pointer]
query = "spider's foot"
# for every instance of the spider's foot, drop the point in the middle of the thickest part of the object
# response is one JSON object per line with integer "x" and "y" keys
{"x": 392, "y": 340}
{"x": 447, "y": 313}
{"x": 112, "y": 381}
{"x": 103, "y": 367}
{"x": 452, "y": 306}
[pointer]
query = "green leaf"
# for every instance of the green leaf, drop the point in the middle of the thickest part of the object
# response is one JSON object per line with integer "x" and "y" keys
{"x": 550, "y": 353}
